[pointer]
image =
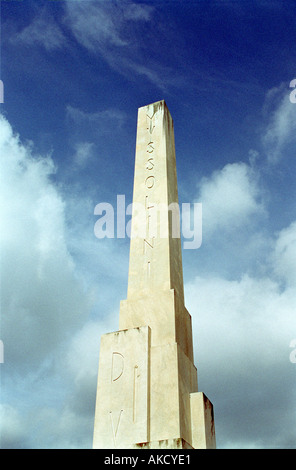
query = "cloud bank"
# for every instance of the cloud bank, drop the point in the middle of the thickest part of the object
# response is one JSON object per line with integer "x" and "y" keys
{"x": 44, "y": 309}
{"x": 243, "y": 318}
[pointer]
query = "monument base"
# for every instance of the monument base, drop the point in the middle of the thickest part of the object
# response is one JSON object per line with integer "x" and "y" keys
{"x": 143, "y": 400}
{"x": 164, "y": 444}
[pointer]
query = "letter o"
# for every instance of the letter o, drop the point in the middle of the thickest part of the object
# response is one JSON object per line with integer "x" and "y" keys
{"x": 149, "y": 182}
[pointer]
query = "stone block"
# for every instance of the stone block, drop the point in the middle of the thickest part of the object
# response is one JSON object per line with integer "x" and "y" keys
{"x": 202, "y": 422}
{"x": 122, "y": 405}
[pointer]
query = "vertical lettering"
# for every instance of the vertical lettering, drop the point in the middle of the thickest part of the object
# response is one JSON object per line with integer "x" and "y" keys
{"x": 146, "y": 243}
{"x": 151, "y": 217}
{"x": 150, "y": 117}
{"x": 135, "y": 391}
{"x": 117, "y": 366}
{"x": 149, "y": 182}
{"x": 150, "y": 147}
{"x": 114, "y": 431}
{"x": 147, "y": 204}
{"x": 150, "y": 164}
{"x": 148, "y": 269}
{"x": 151, "y": 126}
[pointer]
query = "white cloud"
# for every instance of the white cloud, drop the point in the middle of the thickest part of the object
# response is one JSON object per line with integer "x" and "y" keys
{"x": 103, "y": 120}
{"x": 95, "y": 24}
{"x": 242, "y": 332}
{"x": 114, "y": 30}
{"x": 83, "y": 153}
{"x": 100, "y": 25}
{"x": 51, "y": 343}
{"x": 284, "y": 257}
{"x": 136, "y": 12}
{"x": 243, "y": 323}
{"x": 82, "y": 357}
{"x": 230, "y": 198}
{"x": 58, "y": 402}
{"x": 12, "y": 432}
{"x": 281, "y": 127}
{"x": 48, "y": 367}
{"x": 253, "y": 314}
{"x": 43, "y": 31}
{"x": 42, "y": 300}
{"x": 242, "y": 328}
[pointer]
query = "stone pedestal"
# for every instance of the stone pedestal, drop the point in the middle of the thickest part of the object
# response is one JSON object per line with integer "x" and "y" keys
{"x": 147, "y": 396}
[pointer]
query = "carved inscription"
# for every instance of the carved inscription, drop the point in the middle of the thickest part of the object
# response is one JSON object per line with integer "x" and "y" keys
{"x": 150, "y": 164}
{"x": 150, "y": 222}
{"x": 122, "y": 405}
{"x": 149, "y": 181}
{"x": 150, "y": 147}
{"x": 135, "y": 393}
{"x": 117, "y": 366}
{"x": 115, "y": 427}
{"x": 117, "y": 371}
{"x": 148, "y": 243}
{"x": 151, "y": 126}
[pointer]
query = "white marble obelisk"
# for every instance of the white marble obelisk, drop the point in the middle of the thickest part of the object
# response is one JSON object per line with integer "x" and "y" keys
{"x": 147, "y": 394}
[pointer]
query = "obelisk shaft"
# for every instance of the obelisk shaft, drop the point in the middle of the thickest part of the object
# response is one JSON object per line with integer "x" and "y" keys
{"x": 155, "y": 256}
{"x": 155, "y": 284}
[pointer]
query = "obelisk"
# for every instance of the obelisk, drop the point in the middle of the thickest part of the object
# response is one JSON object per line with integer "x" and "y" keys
{"x": 147, "y": 394}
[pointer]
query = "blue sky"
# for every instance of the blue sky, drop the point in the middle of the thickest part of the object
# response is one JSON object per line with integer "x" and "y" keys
{"x": 75, "y": 73}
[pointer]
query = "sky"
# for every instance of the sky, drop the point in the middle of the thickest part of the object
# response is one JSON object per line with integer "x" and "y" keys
{"x": 74, "y": 74}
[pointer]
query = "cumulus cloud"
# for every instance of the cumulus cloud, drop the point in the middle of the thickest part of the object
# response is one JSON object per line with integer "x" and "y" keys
{"x": 243, "y": 318}
{"x": 58, "y": 402}
{"x": 41, "y": 298}
{"x": 243, "y": 327}
{"x": 230, "y": 198}
{"x": 284, "y": 256}
{"x": 12, "y": 431}
{"x": 51, "y": 341}
{"x": 242, "y": 331}
{"x": 281, "y": 127}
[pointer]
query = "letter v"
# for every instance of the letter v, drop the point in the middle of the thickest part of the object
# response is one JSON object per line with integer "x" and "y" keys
{"x": 114, "y": 432}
